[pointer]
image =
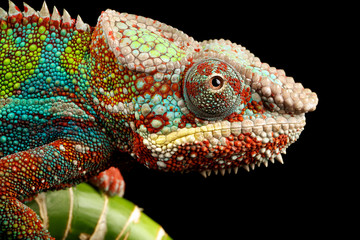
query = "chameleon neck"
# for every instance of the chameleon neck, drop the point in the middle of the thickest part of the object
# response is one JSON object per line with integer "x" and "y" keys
{"x": 111, "y": 91}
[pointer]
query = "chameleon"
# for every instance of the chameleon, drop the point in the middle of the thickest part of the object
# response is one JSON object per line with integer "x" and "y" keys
{"x": 71, "y": 96}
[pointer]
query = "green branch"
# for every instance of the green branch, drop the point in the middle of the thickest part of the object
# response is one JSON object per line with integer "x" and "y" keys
{"x": 84, "y": 213}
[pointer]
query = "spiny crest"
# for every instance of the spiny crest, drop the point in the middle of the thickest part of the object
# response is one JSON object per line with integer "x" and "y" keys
{"x": 14, "y": 15}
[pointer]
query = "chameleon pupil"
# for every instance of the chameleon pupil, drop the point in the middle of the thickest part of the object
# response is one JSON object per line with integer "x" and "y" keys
{"x": 216, "y": 82}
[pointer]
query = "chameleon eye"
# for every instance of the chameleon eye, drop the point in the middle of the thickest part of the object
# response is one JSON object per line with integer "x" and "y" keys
{"x": 212, "y": 89}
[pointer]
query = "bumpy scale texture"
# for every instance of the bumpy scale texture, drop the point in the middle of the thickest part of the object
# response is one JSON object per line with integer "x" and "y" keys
{"x": 71, "y": 95}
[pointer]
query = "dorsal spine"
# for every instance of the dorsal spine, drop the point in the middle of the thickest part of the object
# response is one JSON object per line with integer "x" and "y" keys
{"x": 14, "y": 17}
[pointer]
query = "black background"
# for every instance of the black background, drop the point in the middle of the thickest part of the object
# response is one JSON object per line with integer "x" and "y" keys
{"x": 301, "y": 198}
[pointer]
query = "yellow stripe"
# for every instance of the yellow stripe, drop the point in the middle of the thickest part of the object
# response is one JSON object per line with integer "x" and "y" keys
{"x": 133, "y": 218}
{"x": 68, "y": 226}
{"x": 41, "y": 202}
{"x": 101, "y": 228}
{"x": 161, "y": 233}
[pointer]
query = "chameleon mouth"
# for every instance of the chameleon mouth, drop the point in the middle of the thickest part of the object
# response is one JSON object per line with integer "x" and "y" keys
{"x": 215, "y": 132}
{"x": 224, "y": 146}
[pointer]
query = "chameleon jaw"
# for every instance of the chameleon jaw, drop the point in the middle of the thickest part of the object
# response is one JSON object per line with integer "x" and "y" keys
{"x": 223, "y": 145}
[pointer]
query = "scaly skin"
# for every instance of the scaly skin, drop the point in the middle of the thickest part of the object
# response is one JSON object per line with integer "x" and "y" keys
{"x": 72, "y": 95}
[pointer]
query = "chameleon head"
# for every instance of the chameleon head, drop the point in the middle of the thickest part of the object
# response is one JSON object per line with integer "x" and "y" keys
{"x": 203, "y": 106}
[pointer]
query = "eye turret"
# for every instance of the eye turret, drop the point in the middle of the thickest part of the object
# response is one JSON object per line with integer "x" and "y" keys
{"x": 212, "y": 89}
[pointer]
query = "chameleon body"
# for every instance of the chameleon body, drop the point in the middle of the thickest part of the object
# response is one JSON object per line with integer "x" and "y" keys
{"x": 71, "y": 95}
